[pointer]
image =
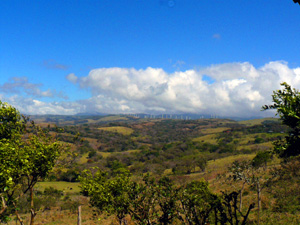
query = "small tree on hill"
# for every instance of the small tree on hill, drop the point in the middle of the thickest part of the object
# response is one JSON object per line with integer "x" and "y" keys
{"x": 240, "y": 172}
{"x": 109, "y": 195}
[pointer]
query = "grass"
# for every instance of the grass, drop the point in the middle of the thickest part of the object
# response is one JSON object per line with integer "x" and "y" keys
{"x": 245, "y": 139}
{"x": 105, "y": 154}
{"x": 121, "y": 130}
{"x": 261, "y": 146}
{"x": 113, "y": 118}
{"x": 256, "y": 121}
{"x": 210, "y": 138}
{"x": 83, "y": 159}
{"x": 69, "y": 187}
{"x": 214, "y": 130}
{"x": 133, "y": 151}
{"x": 55, "y": 216}
{"x": 106, "y": 119}
{"x": 221, "y": 165}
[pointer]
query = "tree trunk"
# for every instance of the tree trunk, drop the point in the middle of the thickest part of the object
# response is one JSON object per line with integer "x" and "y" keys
{"x": 258, "y": 201}
{"x": 241, "y": 195}
{"x": 32, "y": 212}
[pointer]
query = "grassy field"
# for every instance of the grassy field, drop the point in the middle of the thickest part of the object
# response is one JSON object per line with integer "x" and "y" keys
{"x": 113, "y": 118}
{"x": 221, "y": 165}
{"x": 122, "y": 130}
{"x": 68, "y": 187}
{"x": 256, "y": 121}
{"x": 83, "y": 159}
{"x": 210, "y": 138}
{"x": 214, "y": 130}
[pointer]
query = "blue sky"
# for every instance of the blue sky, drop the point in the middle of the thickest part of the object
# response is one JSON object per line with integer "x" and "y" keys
{"x": 158, "y": 56}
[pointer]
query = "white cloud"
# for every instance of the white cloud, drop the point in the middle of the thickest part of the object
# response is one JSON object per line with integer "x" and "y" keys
{"x": 32, "y": 106}
{"x": 72, "y": 78}
{"x": 239, "y": 89}
{"x": 20, "y": 85}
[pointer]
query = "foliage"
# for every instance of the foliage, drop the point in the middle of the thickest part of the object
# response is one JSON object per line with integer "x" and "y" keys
{"x": 167, "y": 198}
{"x": 285, "y": 187}
{"x": 287, "y": 104}
{"x": 249, "y": 172}
{"x": 240, "y": 171}
{"x": 108, "y": 195}
{"x": 153, "y": 201}
{"x": 261, "y": 159}
{"x": 197, "y": 203}
{"x": 27, "y": 154}
{"x": 143, "y": 197}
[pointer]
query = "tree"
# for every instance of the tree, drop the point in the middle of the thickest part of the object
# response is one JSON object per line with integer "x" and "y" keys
{"x": 201, "y": 162}
{"x": 297, "y": 1}
{"x": 234, "y": 215}
{"x": 240, "y": 172}
{"x": 167, "y": 200}
{"x": 27, "y": 154}
{"x": 110, "y": 195}
{"x": 261, "y": 159}
{"x": 249, "y": 172}
{"x": 287, "y": 104}
{"x": 197, "y": 203}
{"x": 143, "y": 197}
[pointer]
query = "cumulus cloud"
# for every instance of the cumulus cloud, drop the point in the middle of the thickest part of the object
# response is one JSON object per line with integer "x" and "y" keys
{"x": 238, "y": 89}
{"x": 18, "y": 85}
{"x": 72, "y": 78}
{"x": 33, "y": 106}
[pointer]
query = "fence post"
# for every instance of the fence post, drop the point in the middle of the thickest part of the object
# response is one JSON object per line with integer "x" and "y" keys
{"x": 79, "y": 215}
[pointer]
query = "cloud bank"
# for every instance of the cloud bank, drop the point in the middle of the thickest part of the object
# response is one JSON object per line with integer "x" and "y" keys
{"x": 231, "y": 89}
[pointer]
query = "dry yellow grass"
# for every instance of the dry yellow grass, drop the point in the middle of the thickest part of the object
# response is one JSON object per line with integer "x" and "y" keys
{"x": 122, "y": 130}
{"x": 105, "y": 154}
{"x": 221, "y": 165}
{"x": 133, "y": 151}
{"x": 256, "y": 121}
{"x": 214, "y": 130}
{"x": 263, "y": 146}
{"x": 83, "y": 159}
{"x": 56, "y": 216}
{"x": 210, "y": 138}
{"x": 245, "y": 139}
{"x": 113, "y": 118}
